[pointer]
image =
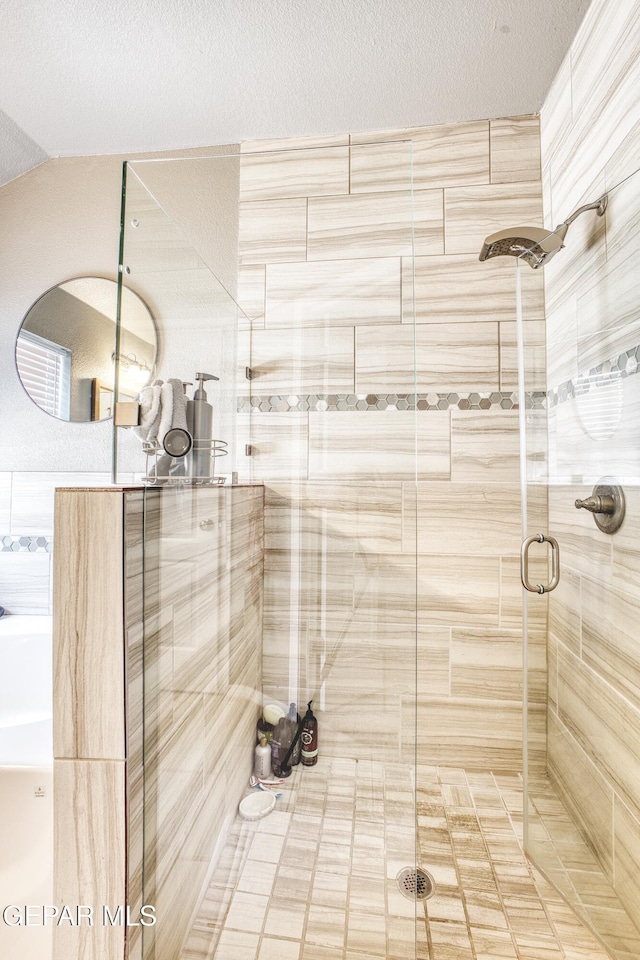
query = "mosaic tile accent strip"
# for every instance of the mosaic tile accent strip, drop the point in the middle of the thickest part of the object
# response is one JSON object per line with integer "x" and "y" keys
{"x": 9, "y": 544}
{"x": 616, "y": 368}
{"x": 486, "y": 400}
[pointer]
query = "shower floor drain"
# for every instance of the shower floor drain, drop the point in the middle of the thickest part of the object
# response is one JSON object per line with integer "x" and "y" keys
{"x": 416, "y": 884}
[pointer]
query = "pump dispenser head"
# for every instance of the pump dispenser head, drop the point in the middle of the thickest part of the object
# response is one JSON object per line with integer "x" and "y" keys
{"x": 200, "y": 393}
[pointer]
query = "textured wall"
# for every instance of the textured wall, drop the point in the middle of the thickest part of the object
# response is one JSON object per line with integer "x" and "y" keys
{"x": 326, "y": 276}
{"x": 591, "y": 142}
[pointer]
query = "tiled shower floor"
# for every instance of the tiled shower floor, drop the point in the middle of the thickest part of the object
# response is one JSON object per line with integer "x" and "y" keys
{"x": 315, "y": 879}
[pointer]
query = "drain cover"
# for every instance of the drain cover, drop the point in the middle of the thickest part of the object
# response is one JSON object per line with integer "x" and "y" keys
{"x": 416, "y": 884}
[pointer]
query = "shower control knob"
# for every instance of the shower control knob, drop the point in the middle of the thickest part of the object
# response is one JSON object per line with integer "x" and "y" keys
{"x": 602, "y": 504}
{"x": 606, "y": 504}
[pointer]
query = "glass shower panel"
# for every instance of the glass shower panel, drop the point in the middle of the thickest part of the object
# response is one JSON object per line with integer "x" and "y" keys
{"x": 178, "y": 250}
{"x": 583, "y": 690}
{"x": 298, "y": 586}
{"x": 333, "y": 430}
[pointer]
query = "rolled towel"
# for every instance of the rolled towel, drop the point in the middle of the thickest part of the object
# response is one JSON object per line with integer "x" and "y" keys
{"x": 149, "y": 400}
{"x": 166, "y": 409}
{"x": 179, "y": 416}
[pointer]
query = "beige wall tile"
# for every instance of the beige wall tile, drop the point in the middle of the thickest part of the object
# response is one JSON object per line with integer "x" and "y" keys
{"x": 583, "y": 789}
{"x": 626, "y": 556}
{"x": 376, "y": 224}
{"x": 251, "y": 294}
{"x": 485, "y": 445}
{"x": 584, "y": 548}
{"x": 461, "y": 590}
{"x": 627, "y": 845}
{"x": 610, "y": 630}
{"x": 272, "y": 231}
{"x": 88, "y": 645}
{"x": 89, "y": 853}
{"x": 314, "y": 168}
{"x": 565, "y": 609}
{"x": 279, "y": 446}
{"x": 458, "y": 287}
{"x": 515, "y": 149}
{"x": 535, "y": 360}
{"x": 486, "y": 664}
{"x": 472, "y": 213}
{"x": 436, "y": 356}
{"x": 511, "y": 591}
{"x": 443, "y": 155}
{"x": 485, "y": 738}
{"x": 303, "y": 360}
{"x": 605, "y": 725}
{"x": 346, "y": 445}
{"x": 330, "y": 516}
{"x": 333, "y": 293}
{"x": 485, "y": 517}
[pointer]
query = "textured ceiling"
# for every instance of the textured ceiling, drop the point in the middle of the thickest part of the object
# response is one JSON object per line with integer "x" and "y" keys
{"x": 96, "y": 77}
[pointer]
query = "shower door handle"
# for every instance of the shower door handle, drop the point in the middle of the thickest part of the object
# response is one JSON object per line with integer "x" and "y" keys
{"x": 555, "y": 564}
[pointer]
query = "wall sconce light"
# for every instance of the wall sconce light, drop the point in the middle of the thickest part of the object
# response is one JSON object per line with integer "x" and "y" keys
{"x": 137, "y": 371}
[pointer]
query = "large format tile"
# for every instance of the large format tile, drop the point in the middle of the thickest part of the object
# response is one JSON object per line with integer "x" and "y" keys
{"x": 472, "y": 213}
{"x": 441, "y": 156}
{"x": 627, "y": 852}
{"x": 279, "y": 446}
{"x": 88, "y": 641}
{"x": 346, "y": 445}
{"x": 583, "y": 789}
{"x": 275, "y": 169}
{"x": 272, "y": 231}
{"x": 610, "y": 630}
{"x": 484, "y": 516}
{"x": 515, "y": 149}
{"x": 331, "y": 516}
{"x": 376, "y": 225}
{"x": 485, "y": 446}
{"x": 251, "y": 295}
{"x": 432, "y": 357}
{"x": 606, "y": 725}
{"x": 328, "y": 292}
{"x": 486, "y": 664}
{"x": 303, "y": 360}
{"x": 89, "y": 854}
{"x": 457, "y": 287}
{"x": 486, "y": 736}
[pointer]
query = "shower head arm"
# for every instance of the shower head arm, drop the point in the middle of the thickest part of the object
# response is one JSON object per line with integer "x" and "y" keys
{"x": 598, "y": 205}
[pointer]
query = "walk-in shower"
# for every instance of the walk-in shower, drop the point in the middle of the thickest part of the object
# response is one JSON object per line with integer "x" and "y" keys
{"x": 362, "y": 551}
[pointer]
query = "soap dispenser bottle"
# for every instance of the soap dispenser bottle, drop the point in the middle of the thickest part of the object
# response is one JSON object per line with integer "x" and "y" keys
{"x": 200, "y": 426}
{"x": 309, "y": 738}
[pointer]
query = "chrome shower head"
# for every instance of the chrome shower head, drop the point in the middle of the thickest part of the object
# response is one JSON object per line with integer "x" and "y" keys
{"x": 535, "y": 245}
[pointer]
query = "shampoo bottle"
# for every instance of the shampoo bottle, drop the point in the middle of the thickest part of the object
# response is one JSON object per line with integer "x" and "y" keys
{"x": 309, "y": 738}
{"x": 262, "y": 766}
{"x": 200, "y": 426}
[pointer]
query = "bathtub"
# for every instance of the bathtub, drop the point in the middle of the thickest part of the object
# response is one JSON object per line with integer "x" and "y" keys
{"x": 26, "y": 691}
{"x": 26, "y": 779}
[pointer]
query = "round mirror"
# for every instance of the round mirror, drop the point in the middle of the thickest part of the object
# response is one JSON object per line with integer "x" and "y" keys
{"x": 65, "y": 351}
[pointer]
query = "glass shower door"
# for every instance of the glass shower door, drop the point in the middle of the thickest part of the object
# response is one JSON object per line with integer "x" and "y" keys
{"x": 581, "y": 435}
{"x": 295, "y": 581}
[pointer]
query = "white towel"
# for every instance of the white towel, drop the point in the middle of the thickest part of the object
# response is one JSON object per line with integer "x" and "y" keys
{"x": 149, "y": 400}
